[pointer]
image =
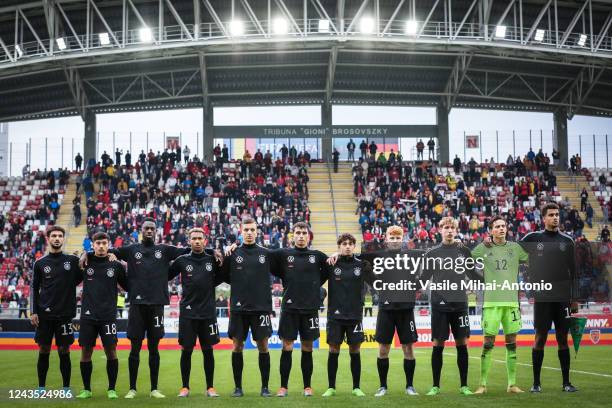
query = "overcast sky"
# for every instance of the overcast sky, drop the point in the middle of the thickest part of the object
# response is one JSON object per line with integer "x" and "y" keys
{"x": 188, "y": 123}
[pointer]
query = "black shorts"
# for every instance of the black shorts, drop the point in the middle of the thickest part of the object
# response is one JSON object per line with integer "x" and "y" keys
{"x": 459, "y": 323}
{"x": 62, "y": 330}
{"x": 337, "y": 330}
{"x": 546, "y": 313}
{"x": 258, "y": 322}
{"x": 401, "y": 320}
{"x": 206, "y": 330}
{"x": 91, "y": 329}
{"x": 292, "y": 323}
{"x": 147, "y": 319}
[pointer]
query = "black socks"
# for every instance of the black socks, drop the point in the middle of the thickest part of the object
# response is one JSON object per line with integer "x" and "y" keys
{"x": 436, "y": 364}
{"x": 462, "y": 363}
{"x": 65, "y": 368}
{"x": 537, "y": 357}
{"x": 285, "y": 368}
{"x": 112, "y": 369}
{"x": 564, "y": 361}
{"x": 409, "y": 366}
{"x": 307, "y": 367}
{"x": 383, "y": 369}
{"x": 42, "y": 367}
{"x": 264, "y": 368}
{"x": 356, "y": 368}
{"x": 86, "y": 369}
{"x": 237, "y": 365}
{"x": 186, "y": 366}
{"x": 332, "y": 369}
{"x": 209, "y": 366}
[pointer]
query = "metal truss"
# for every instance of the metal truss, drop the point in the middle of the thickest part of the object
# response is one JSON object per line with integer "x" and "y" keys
{"x": 64, "y": 35}
{"x": 525, "y": 27}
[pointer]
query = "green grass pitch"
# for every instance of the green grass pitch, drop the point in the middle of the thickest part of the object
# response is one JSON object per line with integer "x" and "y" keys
{"x": 591, "y": 373}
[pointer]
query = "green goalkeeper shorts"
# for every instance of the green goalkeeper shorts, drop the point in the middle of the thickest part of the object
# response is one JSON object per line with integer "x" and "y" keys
{"x": 508, "y": 316}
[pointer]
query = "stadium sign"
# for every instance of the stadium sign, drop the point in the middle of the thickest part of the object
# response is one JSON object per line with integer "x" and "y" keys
{"x": 363, "y": 132}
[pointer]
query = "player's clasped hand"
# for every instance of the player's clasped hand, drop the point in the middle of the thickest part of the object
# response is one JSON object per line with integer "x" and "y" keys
{"x": 39, "y": 394}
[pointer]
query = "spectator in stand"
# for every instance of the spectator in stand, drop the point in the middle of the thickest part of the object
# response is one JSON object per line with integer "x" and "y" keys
{"x": 605, "y": 234}
{"x": 363, "y": 148}
{"x": 78, "y": 161}
{"x": 350, "y": 147}
{"x": 118, "y": 155}
{"x": 432, "y": 145}
{"x": 186, "y": 153}
{"x": 225, "y": 153}
{"x": 76, "y": 213}
{"x": 24, "y": 305}
{"x": 556, "y": 159}
{"x": 336, "y": 159}
{"x": 420, "y": 146}
{"x": 25, "y": 170}
{"x": 457, "y": 164}
{"x": 373, "y": 148}
{"x": 589, "y": 215}
{"x": 584, "y": 198}
{"x": 128, "y": 159}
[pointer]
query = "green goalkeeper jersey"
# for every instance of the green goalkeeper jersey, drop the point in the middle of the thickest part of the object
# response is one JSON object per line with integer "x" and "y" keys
{"x": 501, "y": 268}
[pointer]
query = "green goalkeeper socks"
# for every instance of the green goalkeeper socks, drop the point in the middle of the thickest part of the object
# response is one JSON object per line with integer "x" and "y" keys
{"x": 485, "y": 362}
{"x": 511, "y": 363}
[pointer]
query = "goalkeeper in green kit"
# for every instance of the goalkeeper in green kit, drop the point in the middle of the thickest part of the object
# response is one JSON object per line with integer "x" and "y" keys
{"x": 501, "y": 263}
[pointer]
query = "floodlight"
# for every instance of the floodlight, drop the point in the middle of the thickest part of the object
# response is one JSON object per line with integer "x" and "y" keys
{"x": 500, "y": 31}
{"x": 61, "y": 43}
{"x": 324, "y": 26}
{"x": 281, "y": 26}
{"x": 539, "y": 35}
{"x": 145, "y": 34}
{"x": 582, "y": 40}
{"x": 104, "y": 38}
{"x": 411, "y": 27}
{"x": 366, "y": 25}
{"x": 236, "y": 28}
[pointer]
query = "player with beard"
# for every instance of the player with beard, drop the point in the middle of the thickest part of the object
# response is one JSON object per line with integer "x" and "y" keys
{"x": 148, "y": 275}
{"x": 53, "y": 305}
{"x": 248, "y": 269}
{"x": 99, "y": 313}
{"x": 200, "y": 274}
{"x": 449, "y": 308}
{"x": 552, "y": 259}
{"x": 346, "y": 281}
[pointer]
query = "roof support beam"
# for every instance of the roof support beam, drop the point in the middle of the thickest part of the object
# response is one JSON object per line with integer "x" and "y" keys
{"x": 142, "y": 21}
{"x": 331, "y": 74}
{"x": 38, "y": 40}
{"x": 108, "y": 29}
{"x": 77, "y": 90}
{"x": 465, "y": 17}
{"x": 253, "y": 17}
{"x": 215, "y": 17}
{"x": 572, "y": 24}
{"x": 534, "y": 26}
{"x": 362, "y": 7}
{"x": 323, "y": 14}
{"x": 502, "y": 18}
{"x": 6, "y": 50}
{"x": 431, "y": 11}
{"x": 455, "y": 80}
{"x": 604, "y": 32}
{"x": 581, "y": 88}
{"x": 287, "y": 13}
{"x": 67, "y": 20}
{"x": 204, "y": 80}
{"x": 179, "y": 20}
{"x": 392, "y": 18}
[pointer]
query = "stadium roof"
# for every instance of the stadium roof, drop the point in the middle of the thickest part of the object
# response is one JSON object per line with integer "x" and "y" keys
{"x": 64, "y": 57}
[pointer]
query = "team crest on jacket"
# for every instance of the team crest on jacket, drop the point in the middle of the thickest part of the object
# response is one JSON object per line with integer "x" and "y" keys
{"x": 540, "y": 246}
{"x": 110, "y": 272}
{"x": 357, "y": 271}
{"x": 90, "y": 271}
{"x": 562, "y": 246}
{"x": 312, "y": 259}
{"x": 138, "y": 255}
{"x": 337, "y": 271}
{"x": 262, "y": 259}
{"x": 189, "y": 268}
{"x": 158, "y": 254}
{"x": 47, "y": 269}
{"x": 290, "y": 259}
{"x": 209, "y": 267}
{"x": 67, "y": 266}
{"x": 239, "y": 259}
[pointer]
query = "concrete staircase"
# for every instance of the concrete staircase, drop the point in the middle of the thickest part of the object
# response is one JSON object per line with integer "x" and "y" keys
{"x": 329, "y": 191}
{"x": 570, "y": 188}
{"x": 74, "y": 235}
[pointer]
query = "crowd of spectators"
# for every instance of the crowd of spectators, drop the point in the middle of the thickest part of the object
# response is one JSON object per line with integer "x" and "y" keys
{"x": 22, "y": 238}
{"x": 212, "y": 195}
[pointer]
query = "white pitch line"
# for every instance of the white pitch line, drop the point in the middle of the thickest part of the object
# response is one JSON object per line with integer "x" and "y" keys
{"x": 548, "y": 368}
